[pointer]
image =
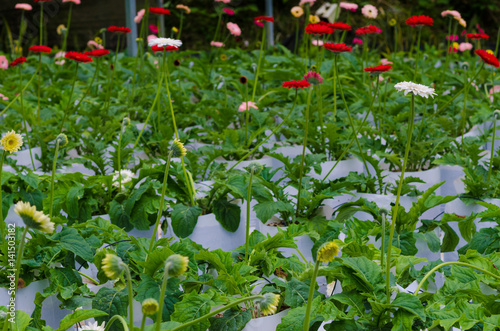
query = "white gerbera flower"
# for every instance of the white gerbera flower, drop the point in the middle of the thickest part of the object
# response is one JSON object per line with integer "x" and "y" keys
{"x": 417, "y": 89}
{"x": 126, "y": 174}
{"x": 163, "y": 42}
{"x": 93, "y": 326}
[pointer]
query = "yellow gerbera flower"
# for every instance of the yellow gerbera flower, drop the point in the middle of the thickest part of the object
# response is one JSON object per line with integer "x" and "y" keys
{"x": 176, "y": 265}
{"x": 33, "y": 218}
{"x": 297, "y": 11}
{"x": 269, "y": 305}
{"x": 150, "y": 306}
{"x": 327, "y": 252}
{"x": 112, "y": 266}
{"x": 12, "y": 141}
{"x": 178, "y": 149}
{"x": 314, "y": 19}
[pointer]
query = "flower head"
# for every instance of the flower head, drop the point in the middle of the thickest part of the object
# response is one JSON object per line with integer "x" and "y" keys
{"x": 310, "y": 2}
{"x": 156, "y": 49}
{"x": 464, "y": 47}
{"x": 139, "y": 16}
{"x": 297, "y": 11}
{"x": 176, "y": 265}
{"x": 97, "y": 52}
{"x": 314, "y": 19}
{"x": 255, "y": 167}
{"x": 313, "y": 77}
{"x": 4, "y": 63}
{"x": 78, "y": 57}
{"x": 461, "y": 21}
{"x": 296, "y": 84}
{"x": 327, "y": 252}
{"x": 318, "y": 29}
{"x": 452, "y": 37}
{"x": 243, "y": 80}
{"x": 3, "y": 97}
{"x": 264, "y": 19}
{"x": 159, "y": 11}
{"x": 94, "y": 326}
{"x": 185, "y": 8}
{"x": 217, "y": 44}
{"x": 340, "y": 26}
{"x": 369, "y": 11}
{"x": 453, "y": 48}
{"x": 153, "y": 28}
{"x": 92, "y": 44}
{"x": 19, "y": 60}
{"x": 417, "y": 89}
{"x": 32, "y": 218}
{"x": 162, "y": 42}
{"x": 62, "y": 139}
{"x": 378, "y": 69}
{"x": 487, "y": 57}
{"x": 40, "y": 49}
{"x": 477, "y": 36}
{"x": 357, "y": 41}
{"x": 112, "y": 265}
{"x": 452, "y": 13}
{"x": 125, "y": 174}
{"x": 228, "y": 11}
{"x": 339, "y": 48}
{"x": 385, "y": 61}
{"x": 23, "y": 6}
{"x": 233, "y": 28}
{"x": 120, "y": 29}
{"x": 150, "y": 306}
{"x": 419, "y": 20}
{"x": 269, "y": 304}
{"x": 178, "y": 149}
{"x": 76, "y": 2}
{"x": 224, "y": 1}
{"x": 348, "y": 6}
{"x": 316, "y": 42}
{"x": 392, "y": 22}
{"x": 61, "y": 29}
{"x": 12, "y": 141}
{"x": 368, "y": 29}
{"x": 247, "y": 105}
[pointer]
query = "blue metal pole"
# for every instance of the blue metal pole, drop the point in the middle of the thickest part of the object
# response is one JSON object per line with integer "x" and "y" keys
{"x": 130, "y": 12}
{"x": 270, "y": 26}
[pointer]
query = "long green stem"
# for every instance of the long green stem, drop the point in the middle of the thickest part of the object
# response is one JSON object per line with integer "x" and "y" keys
{"x": 89, "y": 278}
{"x": 89, "y": 89}
{"x": 25, "y": 118}
{"x": 162, "y": 296}
{"x": 162, "y": 202}
{"x": 433, "y": 270}
{"x": 143, "y": 322}
{"x": 395, "y": 210}
{"x": 296, "y": 46}
{"x": 215, "y": 312}
{"x": 334, "y": 82}
{"x": 351, "y": 121}
{"x": 52, "y": 179}
{"x": 498, "y": 41}
{"x": 306, "y": 129}
{"x": 66, "y": 110}
{"x": 117, "y": 318}
{"x": 119, "y": 157}
{"x": 130, "y": 298}
{"x": 464, "y": 108}
{"x": 39, "y": 110}
{"x": 418, "y": 53}
{"x": 259, "y": 63}
{"x": 382, "y": 246}
{"x": 312, "y": 287}
{"x": 269, "y": 136}
{"x": 2, "y": 224}
{"x": 249, "y": 199}
{"x": 490, "y": 167}
{"x": 110, "y": 87}
{"x": 247, "y": 115}
{"x": 17, "y": 96}
{"x": 67, "y": 27}
{"x": 373, "y": 100}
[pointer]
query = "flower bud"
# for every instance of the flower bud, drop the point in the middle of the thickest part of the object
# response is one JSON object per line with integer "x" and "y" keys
{"x": 126, "y": 122}
{"x": 327, "y": 252}
{"x": 178, "y": 149}
{"x": 149, "y": 306}
{"x": 176, "y": 265}
{"x": 383, "y": 212}
{"x": 255, "y": 167}
{"x": 496, "y": 113}
{"x": 112, "y": 266}
{"x": 62, "y": 139}
{"x": 269, "y": 304}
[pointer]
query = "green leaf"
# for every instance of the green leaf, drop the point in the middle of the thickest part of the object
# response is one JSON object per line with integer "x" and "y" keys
{"x": 402, "y": 321}
{"x": 184, "y": 219}
{"x": 450, "y": 239}
{"x": 294, "y": 320}
{"x": 228, "y": 214}
{"x": 193, "y": 306}
{"x": 232, "y": 320}
{"x": 110, "y": 301}
{"x": 156, "y": 260}
{"x": 75, "y": 193}
{"x": 367, "y": 271}
{"x": 31, "y": 179}
{"x": 70, "y": 239}
{"x": 296, "y": 293}
{"x": 410, "y": 303}
{"x": 22, "y": 320}
{"x": 78, "y": 316}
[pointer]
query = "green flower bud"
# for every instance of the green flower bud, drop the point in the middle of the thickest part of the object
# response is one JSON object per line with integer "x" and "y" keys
{"x": 496, "y": 113}
{"x": 112, "y": 266}
{"x": 62, "y": 139}
{"x": 150, "y": 306}
{"x": 176, "y": 265}
{"x": 125, "y": 122}
{"x": 383, "y": 212}
{"x": 178, "y": 149}
{"x": 327, "y": 252}
{"x": 255, "y": 167}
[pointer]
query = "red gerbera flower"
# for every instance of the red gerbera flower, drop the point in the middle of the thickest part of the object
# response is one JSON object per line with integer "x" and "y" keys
{"x": 42, "y": 0}
{"x": 17, "y": 61}
{"x": 40, "y": 49}
{"x": 419, "y": 20}
{"x": 159, "y": 11}
{"x": 318, "y": 29}
{"x": 379, "y": 68}
{"x": 166, "y": 48}
{"x": 97, "y": 52}
{"x": 78, "y": 57}
{"x": 487, "y": 57}
{"x": 368, "y": 29}
{"x": 120, "y": 29}
{"x": 263, "y": 18}
{"x": 228, "y": 11}
{"x": 340, "y": 26}
{"x": 296, "y": 84}
{"x": 477, "y": 36}
{"x": 340, "y": 48}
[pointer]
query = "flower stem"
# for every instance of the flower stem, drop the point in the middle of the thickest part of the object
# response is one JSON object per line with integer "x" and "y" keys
{"x": 247, "y": 115}
{"x": 418, "y": 53}
{"x": 296, "y": 46}
{"x": 88, "y": 277}
{"x": 215, "y": 312}
{"x": 143, "y": 322}
{"x": 70, "y": 96}
{"x": 110, "y": 87}
{"x": 25, "y": 117}
{"x": 162, "y": 201}
{"x": 52, "y": 179}
{"x": 382, "y": 246}
{"x": 395, "y": 210}
{"x": 259, "y": 63}
{"x": 67, "y": 27}
{"x": 249, "y": 199}
{"x": 306, "y": 129}
{"x": 162, "y": 297}
{"x": 334, "y": 82}
{"x": 130, "y": 298}
{"x": 2, "y": 223}
{"x": 17, "y": 96}
{"x": 39, "y": 110}
{"x": 307, "y": 316}
{"x": 490, "y": 167}
{"x": 269, "y": 136}
{"x": 464, "y": 108}
{"x": 120, "y": 319}
{"x": 452, "y": 263}
{"x": 89, "y": 89}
